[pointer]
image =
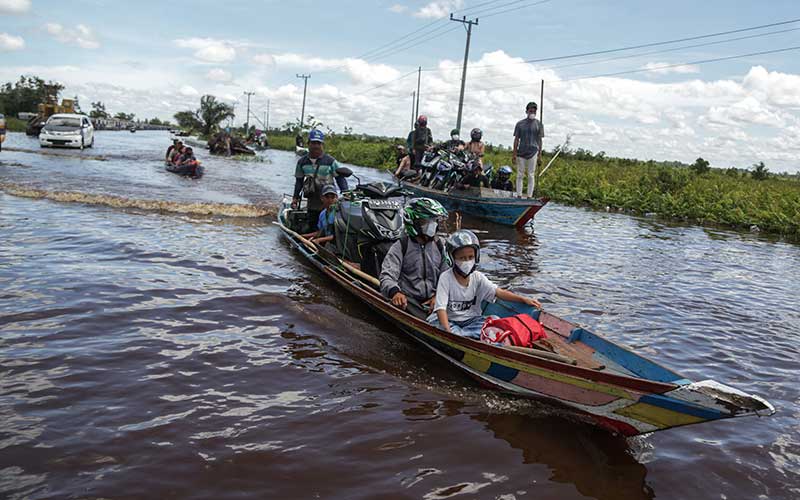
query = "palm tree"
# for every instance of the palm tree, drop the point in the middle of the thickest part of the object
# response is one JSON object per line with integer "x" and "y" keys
{"x": 211, "y": 113}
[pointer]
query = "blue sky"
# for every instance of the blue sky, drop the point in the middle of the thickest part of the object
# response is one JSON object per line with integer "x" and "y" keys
{"x": 156, "y": 58}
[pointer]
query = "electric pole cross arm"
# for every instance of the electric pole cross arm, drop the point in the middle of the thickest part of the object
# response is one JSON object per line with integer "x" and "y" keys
{"x": 469, "y": 25}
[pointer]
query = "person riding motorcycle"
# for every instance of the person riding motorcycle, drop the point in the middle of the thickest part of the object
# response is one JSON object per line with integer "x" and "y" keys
{"x": 411, "y": 268}
{"x": 503, "y": 180}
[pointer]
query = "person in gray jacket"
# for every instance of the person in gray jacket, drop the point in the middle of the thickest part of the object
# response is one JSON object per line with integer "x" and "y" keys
{"x": 413, "y": 264}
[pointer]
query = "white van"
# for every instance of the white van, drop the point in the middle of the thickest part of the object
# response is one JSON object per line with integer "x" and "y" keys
{"x": 67, "y": 130}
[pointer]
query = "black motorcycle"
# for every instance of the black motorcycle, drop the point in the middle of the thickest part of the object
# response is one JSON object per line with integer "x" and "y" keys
{"x": 369, "y": 219}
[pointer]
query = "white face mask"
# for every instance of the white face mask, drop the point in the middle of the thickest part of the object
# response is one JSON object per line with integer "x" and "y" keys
{"x": 429, "y": 229}
{"x": 465, "y": 266}
{"x": 454, "y": 137}
{"x": 531, "y": 116}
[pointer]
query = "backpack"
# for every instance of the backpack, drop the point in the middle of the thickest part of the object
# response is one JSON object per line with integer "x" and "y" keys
{"x": 519, "y": 330}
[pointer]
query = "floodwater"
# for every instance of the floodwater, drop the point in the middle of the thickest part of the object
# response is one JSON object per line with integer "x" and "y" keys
{"x": 160, "y": 339}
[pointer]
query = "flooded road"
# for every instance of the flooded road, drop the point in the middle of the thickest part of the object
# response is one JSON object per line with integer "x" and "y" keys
{"x": 160, "y": 339}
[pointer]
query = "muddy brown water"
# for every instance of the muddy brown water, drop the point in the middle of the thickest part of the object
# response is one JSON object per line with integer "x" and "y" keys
{"x": 148, "y": 350}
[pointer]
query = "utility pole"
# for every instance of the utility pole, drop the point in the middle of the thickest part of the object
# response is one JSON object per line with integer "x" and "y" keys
{"x": 413, "y": 95}
{"x": 469, "y": 24}
{"x": 419, "y": 78}
{"x": 266, "y": 120}
{"x": 305, "y": 86}
{"x": 247, "y": 120}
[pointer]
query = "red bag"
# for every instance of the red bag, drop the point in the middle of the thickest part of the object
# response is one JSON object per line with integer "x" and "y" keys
{"x": 519, "y": 330}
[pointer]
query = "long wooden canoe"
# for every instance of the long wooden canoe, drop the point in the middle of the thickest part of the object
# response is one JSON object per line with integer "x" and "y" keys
{"x": 501, "y": 207}
{"x": 604, "y": 382}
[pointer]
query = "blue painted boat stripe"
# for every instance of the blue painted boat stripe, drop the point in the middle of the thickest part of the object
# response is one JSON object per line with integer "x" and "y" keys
{"x": 634, "y": 363}
{"x": 502, "y": 372}
{"x": 681, "y": 406}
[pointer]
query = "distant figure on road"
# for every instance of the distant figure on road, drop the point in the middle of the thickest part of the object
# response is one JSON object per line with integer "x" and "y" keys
{"x": 528, "y": 134}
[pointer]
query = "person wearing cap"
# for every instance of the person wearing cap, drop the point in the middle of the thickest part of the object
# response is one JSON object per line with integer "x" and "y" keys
{"x": 314, "y": 170}
{"x": 421, "y": 138}
{"x": 325, "y": 231}
{"x": 528, "y": 134}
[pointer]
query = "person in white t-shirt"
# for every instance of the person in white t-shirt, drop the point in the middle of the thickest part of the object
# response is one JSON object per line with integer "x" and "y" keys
{"x": 462, "y": 289}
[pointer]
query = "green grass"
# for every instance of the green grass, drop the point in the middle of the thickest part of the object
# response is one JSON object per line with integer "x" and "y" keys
{"x": 727, "y": 198}
{"x": 15, "y": 124}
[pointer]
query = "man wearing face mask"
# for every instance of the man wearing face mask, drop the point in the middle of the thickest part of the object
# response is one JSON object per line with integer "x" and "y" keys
{"x": 528, "y": 134}
{"x": 413, "y": 264}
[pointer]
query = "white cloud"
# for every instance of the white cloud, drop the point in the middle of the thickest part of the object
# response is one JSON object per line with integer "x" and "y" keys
{"x": 439, "y": 9}
{"x": 189, "y": 91}
{"x": 219, "y": 75}
{"x": 359, "y": 70}
{"x": 398, "y": 8}
{"x": 15, "y": 6}
{"x": 9, "y": 43}
{"x": 667, "y": 68}
{"x": 81, "y": 35}
{"x": 780, "y": 89}
{"x": 209, "y": 49}
{"x": 266, "y": 59}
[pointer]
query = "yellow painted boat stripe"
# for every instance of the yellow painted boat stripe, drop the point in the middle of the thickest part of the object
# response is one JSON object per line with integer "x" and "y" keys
{"x": 655, "y": 415}
{"x": 567, "y": 379}
{"x": 480, "y": 364}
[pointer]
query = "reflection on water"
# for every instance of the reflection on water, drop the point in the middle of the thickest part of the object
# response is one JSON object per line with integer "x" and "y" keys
{"x": 158, "y": 338}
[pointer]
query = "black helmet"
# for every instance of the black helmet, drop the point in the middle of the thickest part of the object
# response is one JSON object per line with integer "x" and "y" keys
{"x": 505, "y": 171}
{"x": 476, "y": 134}
{"x": 454, "y": 132}
{"x": 460, "y": 239}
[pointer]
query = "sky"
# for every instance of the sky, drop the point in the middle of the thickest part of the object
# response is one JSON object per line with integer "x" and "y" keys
{"x": 156, "y": 58}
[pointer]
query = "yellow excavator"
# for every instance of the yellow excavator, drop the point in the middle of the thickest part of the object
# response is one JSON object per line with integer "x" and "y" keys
{"x": 46, "y": 110}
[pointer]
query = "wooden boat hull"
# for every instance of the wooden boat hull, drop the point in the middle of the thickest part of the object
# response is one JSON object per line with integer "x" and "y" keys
{"x": 629, "y": 395}
{"x": 187, "y": 171}
{"x": 490, "y": 204}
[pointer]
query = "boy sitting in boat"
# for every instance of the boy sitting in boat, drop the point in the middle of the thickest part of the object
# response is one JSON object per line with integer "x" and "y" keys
{"x": 327, "y": 216}
{"x": 462, "y": 289}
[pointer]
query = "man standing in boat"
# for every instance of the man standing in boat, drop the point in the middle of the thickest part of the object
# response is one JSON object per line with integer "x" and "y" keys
{"x": 528, "y": 134}
{"x": 314, "y": 170}
{"x": 421, "y": 138}
{"x": 411, "y": 269}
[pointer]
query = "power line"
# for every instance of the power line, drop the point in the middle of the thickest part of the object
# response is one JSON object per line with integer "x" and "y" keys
{"x": 531, "y": 4}
{"x": 378, "y": 86}
{"x": 638, "y": 70}
{"x": 633, "y": 47}
{"x": 641, "y": 54}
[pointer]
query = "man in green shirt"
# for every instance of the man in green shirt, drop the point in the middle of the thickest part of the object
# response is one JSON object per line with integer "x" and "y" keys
{"x": 315, "y": 170}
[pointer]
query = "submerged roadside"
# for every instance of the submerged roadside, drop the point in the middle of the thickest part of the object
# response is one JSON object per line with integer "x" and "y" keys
{"x": 730, "y": 198}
